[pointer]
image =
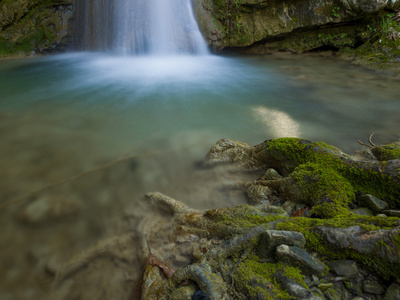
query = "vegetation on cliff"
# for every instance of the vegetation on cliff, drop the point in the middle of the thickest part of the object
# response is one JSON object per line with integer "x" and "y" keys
{"x": 33, "y": 26}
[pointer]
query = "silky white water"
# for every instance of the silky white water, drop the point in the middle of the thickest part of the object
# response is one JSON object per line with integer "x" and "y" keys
{"x": 151, "y": 27}
{"x": 92, "y": 133}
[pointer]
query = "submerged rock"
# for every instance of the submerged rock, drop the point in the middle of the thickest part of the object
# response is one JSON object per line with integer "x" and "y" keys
{"x": 50, "y": 208}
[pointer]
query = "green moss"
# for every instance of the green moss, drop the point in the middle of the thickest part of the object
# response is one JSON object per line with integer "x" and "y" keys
{"x": 28, "y": 30}
{"x": 326, "y": 175}
{"x": 325, "y": 189}
{"x": 258, "y": 279}
{"x": 388, "y": 151}
{"x": 316, "y": 244}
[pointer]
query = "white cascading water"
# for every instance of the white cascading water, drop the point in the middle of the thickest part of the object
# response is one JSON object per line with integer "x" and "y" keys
{"x": 137, "y": 27}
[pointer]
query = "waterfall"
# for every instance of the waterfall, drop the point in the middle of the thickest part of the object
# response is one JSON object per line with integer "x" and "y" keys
{"x": 137, "y": 27}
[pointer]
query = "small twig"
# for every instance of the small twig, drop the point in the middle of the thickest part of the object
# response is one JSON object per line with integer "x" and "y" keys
{"x": 370, "y": 140}
{"x": 372, "y": 145}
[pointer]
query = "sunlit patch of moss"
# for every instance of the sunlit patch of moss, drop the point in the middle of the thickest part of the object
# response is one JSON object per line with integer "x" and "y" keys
{"x": 256, "y": 278}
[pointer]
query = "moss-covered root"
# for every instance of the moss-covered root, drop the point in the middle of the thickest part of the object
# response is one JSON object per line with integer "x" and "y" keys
{"x": 234, "y": 245}
{"x": 201, "y": 273}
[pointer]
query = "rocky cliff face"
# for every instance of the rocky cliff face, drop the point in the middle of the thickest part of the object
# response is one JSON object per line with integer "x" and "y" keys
{"x": 296, "y": 25}
{"x": 29, "y": 27}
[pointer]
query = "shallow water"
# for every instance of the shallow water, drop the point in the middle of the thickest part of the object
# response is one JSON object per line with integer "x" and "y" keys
{"x": 97, "y": 132}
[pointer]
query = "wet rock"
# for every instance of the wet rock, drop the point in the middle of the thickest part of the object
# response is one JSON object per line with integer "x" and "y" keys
{"x": 317, "y": 292}
{"x": 325, "y": 286}
{"x": 393, "y": 292}
{"x": 373, "y": 203}
{"x": 153, "y": 283}
{"x": 50, "y": 208}
{"x": 392, "y": 213}
{"x": 378, "y": 244}
{"x": 372, "y": 287}
{"x": 346, "y": 268}
{"x": 332, "y": 294}
{"x": 362, "y": 211}
{"x": 293, "y": 255}
{"x": 271, "y": 239}
{"x": 102, "y": 272}
{"x": 229, "y": 151}
{"x": 23, "y": 20}
{"x": 258, "y": 194}
{"x": 183, "y": 293}
{"x": 289, "y": 206}
{"x": 295, "y": 289}
{"x": 271, "y": 174}
{"x": 363, "y": 7}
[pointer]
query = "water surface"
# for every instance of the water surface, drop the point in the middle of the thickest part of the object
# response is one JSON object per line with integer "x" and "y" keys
{"x": 64, "y": 119}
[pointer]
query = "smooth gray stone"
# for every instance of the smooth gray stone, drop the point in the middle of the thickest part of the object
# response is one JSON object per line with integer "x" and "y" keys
{"x": 393, "y": 292}
{"x": 295, "y": 289}
{"x": 271, "y": 239}
{"x": 392, "y": 212}
{"x": 373, "y": 287}
{"x": 293, "y": 255}
{"x": 362, "y": 211}
{"x": 347, "y": 268}
{"x": 373, "y": 203}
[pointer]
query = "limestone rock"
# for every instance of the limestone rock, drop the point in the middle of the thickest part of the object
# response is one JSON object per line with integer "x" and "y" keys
{"x": 50, "y": 208}
{"x": 296, "y": 256}
{"x": 392, "y": 212}
{"x": 393, "y": 292}
{"x": 259, "y": 194}
{"x": 271, "y": 174}
{"x": 35, "y": 27}
{"x": 332, "y": 294}
{"x": 183, "y": 293}
{"x": 355, "y": 7}
{"x": 362, "y": 211}
{"x": 372, "y": 287}
{"x": 295, "y": 289}
{"x": 373, "y": 203}
{"x": 271, "y": 239}
{"x": 290, "y": 25}
{"x": 378, "y": 244}
{"x": 346, "y": 268}
{"x": 230, "y": 151}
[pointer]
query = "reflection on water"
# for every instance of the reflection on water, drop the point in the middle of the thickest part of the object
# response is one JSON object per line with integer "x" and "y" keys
{"x": 278, "y": 123}
{"x": 101, "y": 131}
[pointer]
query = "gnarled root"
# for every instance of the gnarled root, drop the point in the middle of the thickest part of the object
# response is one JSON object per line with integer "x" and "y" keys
{"x": 201, "y": 273}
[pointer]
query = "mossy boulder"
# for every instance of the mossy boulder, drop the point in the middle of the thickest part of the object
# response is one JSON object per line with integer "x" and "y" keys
{"x": 316, "y": 174}
{"x": 29, "y": 27}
